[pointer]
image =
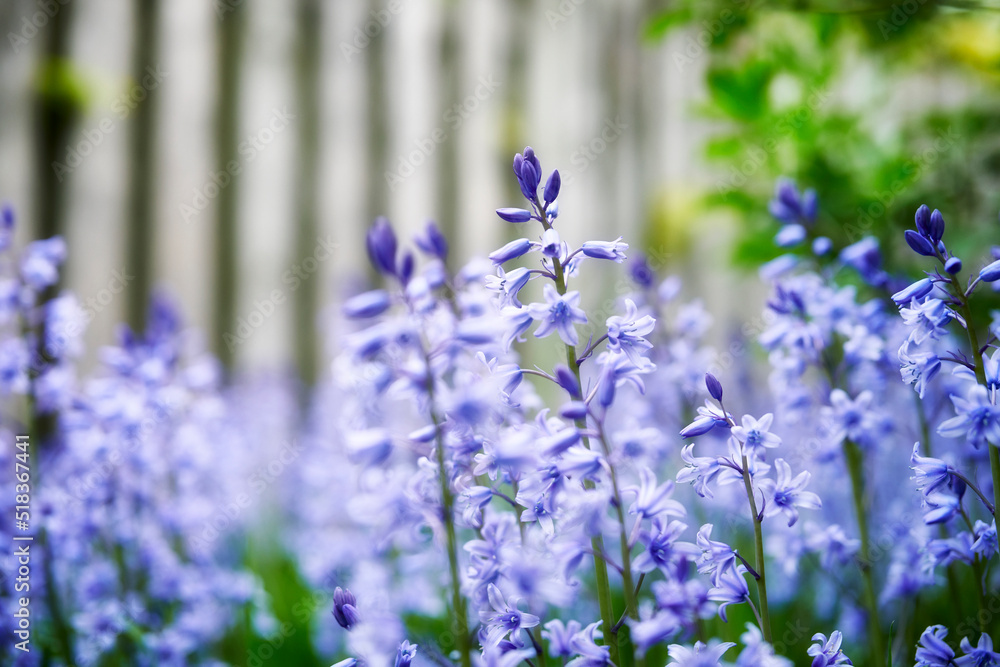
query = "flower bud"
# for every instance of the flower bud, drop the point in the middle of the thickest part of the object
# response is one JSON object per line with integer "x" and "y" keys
{"x": 714, "y": 386}
{"x": 919, "y": 244}
{"x": 514, "y": 214}
{"x": 953, "y": 265}
{"x": 381, "y": 245}
{"x": 552, "y": 187}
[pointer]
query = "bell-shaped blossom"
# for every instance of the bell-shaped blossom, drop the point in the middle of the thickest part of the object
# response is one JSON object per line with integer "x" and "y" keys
{"x": 559, "y": 314}
{"x": 978, "y": 419}
{"x": 700, "y": 655}
{"x": 663, "y": 549}
{"x": 626, "y": 332}
{"x": 982, "y": 655}
{"x": 827, "y": 652}
{"x": 730, "y": 587}
{"x": 505, "y": 619}
{"x": 933, "y": 651}
{"x": 786, "y": 494}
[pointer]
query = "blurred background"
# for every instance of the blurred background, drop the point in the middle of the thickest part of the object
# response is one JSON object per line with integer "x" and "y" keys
{"x": 233, "y": 152}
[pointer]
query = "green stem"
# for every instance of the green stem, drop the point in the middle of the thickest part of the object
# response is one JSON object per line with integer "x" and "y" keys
{"x": 596, "y": 542}
{"x": 448, "y": 516}
{"x": 758, "y": 544}
{"x": 855, "y": 467}
{"x": 977, "y": 359}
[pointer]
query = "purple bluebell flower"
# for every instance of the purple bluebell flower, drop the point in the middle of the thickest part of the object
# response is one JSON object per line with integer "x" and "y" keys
{"x": 640, "y": 272}
{"x": 932, "y": 651}
{"x": 551, "y": 244}
{"x": 40, "y": 262}
{"x": 917, "y": 367}
{"x": 777, "y": 267}
{"x": 514, "y": 215}
{"x": 785, "y": 494}
{"x": 930, "y": 474}
{"x": 552, "y": 187}
{"x": 852, "y": 419}
{"x": 560, "y": 637}
{"x": 827, "y": 652}
{"x": 917, "y": 290}
{"x": 757, "y": 652}
{"x": 653, "y": 627}
{"x": 730, "y": 587}
{"x": 663, "y": 548}
{"x": 953, "y": 265}
{"x": 528, "y": 170}
{"x": 613, "y": 250}
{"x": 573, "y": 410}
{"x": 508, "y": 284}
{"x": 381, "y": 244}
{"x": 700, "y": 655}
{"x": 922, "y": 219}
{"x": 716, "y": 557}
{"x": 789, "y": 207}
{"x": 345, "y": 608}
{"x": 626, "y": 332}
{"x": 651, "y": 499}
{"x": 346, "y": 662}
{"x": 505, "y": 619}
{"x": 990, "y": 273}
{"x": 588, "y": 652}
{"x": 978, "y": 420}
{"x": 985, "y": 545}
{"x": 935, "y": 227}
{"x": 700, "y": 471}
{"x": 558, "y": 314}
{"x": 919, "y": 244}
{"x": 865, "y": 257}
{"x": 6, "y": 227}
{"x": 755, "y": 434}
{"x": 941, "y": 507}
{"x": 432, "y": 241}
{"x": 565, "y": 379}
{"x": 982, "y": 655}
{"x": 821, "y": 246}
{"x": 367, "y": 304}
{"x": 518, "y": 320}
{"x": 510, "y": 251}
{"x": 714, "y": 386}
{"x": 405, "y": 654}
{"x": 790, "y": 235}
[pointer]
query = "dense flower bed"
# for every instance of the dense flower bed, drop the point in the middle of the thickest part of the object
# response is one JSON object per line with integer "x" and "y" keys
{"x": 629, "y": 496}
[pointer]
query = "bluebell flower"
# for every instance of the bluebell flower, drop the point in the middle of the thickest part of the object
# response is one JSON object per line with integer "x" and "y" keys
{"x": 700, "y": 471}
{"x": 978, "y": 420}
{"x": 852, "y": 419}
{"x": 613, "y": 250}
{"x": 941, "y": 507}
{"x": 505, "y": 619}
{"x": 755, "y": 434}
{"x": 528, "y": 170}
{"x": 367, "y": 304}
{"x": 588, "y": 652}
{"x": 345, "y": 608}
{"x": 640, "y": 272}
{"x": 700, "y": 655}
{"x": 663, "y": 549}
{"x": 6, "y": 227}
{"x": 551, "y": 245}
{"x": 381, "y": 244}
{"x": 40, "y": 262}
{"x": 626, "y": 332}
{"x": 552, "y": 187}
{"x": 497, "y": 657}
{"x": 918, "y": 243}
{"x": 953, "y": 265}
{"x": 405, "y": 654}
{"x": 826, "y": 652}
{"x": 785, "y": 494}
{"x": 560, "y": 637}
{"x": 789, "y": 207}
{"x": 985, "y": 545}
{"x": 917, "y": 290}
{"x": 514, "y": 215}
{"x": 982, "y": 655}
{"x": 943, "y": 552}
{"x": 932, "y": 651}
{"x": 716, "y": 557}
{"x": 777, "y": 267}
{"x": 928, "y": 319}
{"x": 558, "y": 314}
{"x": 730, "y": 587}
{"x": 930, "y": 474}
{"x": 653, "y": 627}
{"x": 821, "y": 246}
{"x": 617, "y": 369}
{"x": 368, "y": 448}
{"x": 346, "y": 662}
{"x": 757, "y": 652}
{"x": 512, "y": 250}
{"x": 518, "y": 321}
{"x": 790, "y": 235}
{"x": 917, "y": 367}
{"x": 687, "y": 600}
{"x": 651, "y": 499}
{"x": 508, "y": 284}
{"x": 990, "y": 273}
{"x": 432, "y": 241}
{"x": 865, "y": 257}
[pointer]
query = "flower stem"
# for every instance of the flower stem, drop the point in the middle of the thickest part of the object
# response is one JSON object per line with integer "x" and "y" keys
{"x": 764, "y": 616}
{"x": 855, "y": 467}
{"x": 448, "y": 518}
{"x": 597, "y": 542}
